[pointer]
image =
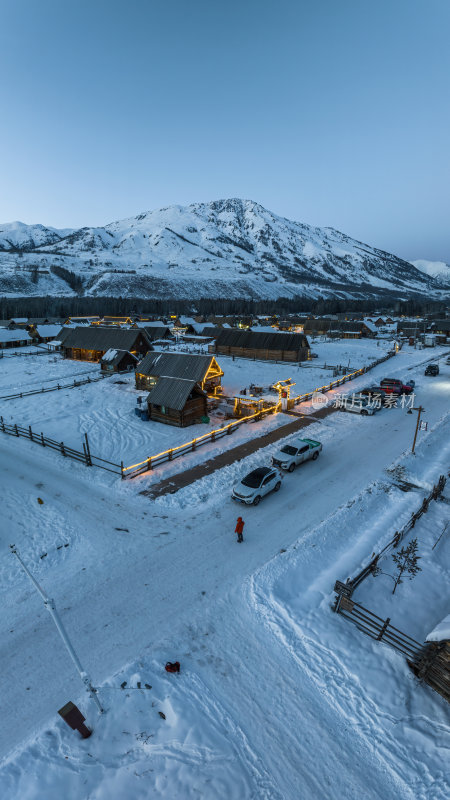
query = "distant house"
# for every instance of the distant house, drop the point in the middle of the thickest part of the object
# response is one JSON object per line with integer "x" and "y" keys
{"x": 266, "y": 346}
{"x": 91, "y": 344}
{"x": 118, "y": 361}
{"x": 157, "y": 332}
{"x": 441, "y": 326}
{"x": 14, "y": 338}
{"x": 203, "y": 370}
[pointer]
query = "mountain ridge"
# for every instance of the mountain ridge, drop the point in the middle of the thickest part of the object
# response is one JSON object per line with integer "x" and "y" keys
{"x": 225, "y": 248}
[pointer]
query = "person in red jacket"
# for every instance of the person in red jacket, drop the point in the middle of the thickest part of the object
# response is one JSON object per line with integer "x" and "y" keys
{"x": 240, "y": 529}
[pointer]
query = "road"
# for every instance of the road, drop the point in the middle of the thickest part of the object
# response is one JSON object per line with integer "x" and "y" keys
{"x": 124, "y": 593}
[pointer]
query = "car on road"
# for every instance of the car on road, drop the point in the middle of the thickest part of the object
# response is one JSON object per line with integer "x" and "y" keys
{"x": 256, "y": 484}
{"x": 296, "y": 452}
{"x": 358, "y": 405}
{"x": 432, "y": 369}
{"x": 396, "y": 386}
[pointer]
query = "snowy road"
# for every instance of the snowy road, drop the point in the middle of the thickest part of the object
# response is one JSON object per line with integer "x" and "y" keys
{"x": 177, "y": 570}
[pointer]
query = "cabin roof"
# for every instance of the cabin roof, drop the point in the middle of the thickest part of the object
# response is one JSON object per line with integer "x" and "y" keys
{"x": 172, "y": 392}
{"x": 175, "y": 365}
{"x": 102, "y": 338}
{"x": 263, "y": 340}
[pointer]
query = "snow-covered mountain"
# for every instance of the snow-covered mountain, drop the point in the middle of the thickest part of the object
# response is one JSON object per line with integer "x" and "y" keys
{"x": 438, "y": 270}
{"x": 227, "y": 248}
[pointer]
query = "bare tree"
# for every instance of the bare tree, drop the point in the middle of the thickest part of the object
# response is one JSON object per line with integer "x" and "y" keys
{"x": 406, "y": 563}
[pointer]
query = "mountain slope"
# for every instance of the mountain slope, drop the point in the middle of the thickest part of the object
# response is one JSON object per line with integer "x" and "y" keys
{"x": 227, "y": 248}
{"x": 438, "y": 270}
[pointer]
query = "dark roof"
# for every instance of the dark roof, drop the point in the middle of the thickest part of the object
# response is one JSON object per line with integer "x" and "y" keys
{"x": 261, "y": 340}
{"x": 63, "y": 334}
{"x": 260, "y": 472}
{"x": 172, "y": 393}
{"x": 103, "y": 338}
{"x": 175, "y": 365}
{"x": 441, "y": 324}
{"x": 156, "y": 332}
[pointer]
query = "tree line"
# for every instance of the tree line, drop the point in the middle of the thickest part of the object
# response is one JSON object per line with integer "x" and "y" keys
{"x": 120, "y": 306}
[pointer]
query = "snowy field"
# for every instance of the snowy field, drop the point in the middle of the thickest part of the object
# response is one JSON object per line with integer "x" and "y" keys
{"x": 105, "y": 410}
{"x": 278, "y": 698}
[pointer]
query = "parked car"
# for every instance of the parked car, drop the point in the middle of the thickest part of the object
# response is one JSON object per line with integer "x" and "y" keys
{"x": 256, "y": 484}
{"x": 358, "y": 405}
{"x": 432, "y": 369}
{"x": 396, "y": 386}
{"x": 295, "y": 452}
{"x": 375, "y": 394}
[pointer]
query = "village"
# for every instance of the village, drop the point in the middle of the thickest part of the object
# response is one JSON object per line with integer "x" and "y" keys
{"x": 131, "y": 447}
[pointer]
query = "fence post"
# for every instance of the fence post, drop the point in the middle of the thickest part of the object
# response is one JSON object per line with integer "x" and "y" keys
{"x": 62, "y": 448}
{"x": 30, "y": 433}
{"x": 194, "y": 444}
{"x": 170, "y": 454}
{"x": 42, "y": 440}
{"x": 149, "y": 463}
{"x": 121, "y": 470}
{"x": 3, "y": 424}
{"x": 88, "y": 450}
{"x": 383, "y": 629}
{"x": 17, "y": 432}
{"x": 58, "y": 387}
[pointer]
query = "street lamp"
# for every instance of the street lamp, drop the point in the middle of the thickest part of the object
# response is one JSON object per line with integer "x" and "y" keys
{"x": 420, "y": 410}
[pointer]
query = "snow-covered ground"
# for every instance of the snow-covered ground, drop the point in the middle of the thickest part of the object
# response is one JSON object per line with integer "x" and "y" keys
{"x": 277, "y": 696}
{"x": 106, "y": 410}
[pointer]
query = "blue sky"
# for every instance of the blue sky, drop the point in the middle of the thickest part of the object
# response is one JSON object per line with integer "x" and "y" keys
{"x": 331, "y": 112}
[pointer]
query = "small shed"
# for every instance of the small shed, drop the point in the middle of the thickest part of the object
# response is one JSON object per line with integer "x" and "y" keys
{"x": 117, "y": 361}
{"x": 177, "y": 401}
{"x": 432, "y": 663}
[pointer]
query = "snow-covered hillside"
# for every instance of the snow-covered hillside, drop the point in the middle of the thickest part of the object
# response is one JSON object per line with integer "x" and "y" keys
{"x": 438, "y": 270}
{"x": 227, "y": 248}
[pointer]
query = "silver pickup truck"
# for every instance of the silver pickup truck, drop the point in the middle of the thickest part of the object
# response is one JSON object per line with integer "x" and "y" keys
{"x": 295, "y": 452}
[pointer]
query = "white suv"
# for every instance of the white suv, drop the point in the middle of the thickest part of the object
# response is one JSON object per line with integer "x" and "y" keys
{"x": 295, "y": 452}
{"x": 359, "y": 405}
{"x": 256, "y": 484}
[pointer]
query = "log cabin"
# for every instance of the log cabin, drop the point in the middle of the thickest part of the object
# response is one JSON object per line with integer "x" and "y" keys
{"x": 203, "y": 370}
{"x": 259, "y": 345}
{"x": 177, "y": 401}
{"x": 91, "y": 344}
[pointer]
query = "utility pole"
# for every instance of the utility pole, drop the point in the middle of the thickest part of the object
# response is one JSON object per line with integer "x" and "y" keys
{"x": 50, "y": 606}
{"x": 420, "y": 410}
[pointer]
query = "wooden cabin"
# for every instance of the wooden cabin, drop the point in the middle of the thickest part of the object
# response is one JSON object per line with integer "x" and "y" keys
{"x": 177, "y": 401}
{"x": 432, "y": 662}
{"x": 91, "y": 344}
{"x": 14, "y": 338}
{"x": 118, "y": 361}
{"x": 203, "y": 370}
{"x": 260, "y": 345}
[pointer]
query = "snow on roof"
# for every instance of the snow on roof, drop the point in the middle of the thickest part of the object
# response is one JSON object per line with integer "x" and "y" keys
{"x": 15, "y": 335}
{"x": 54, "y": 343}
{"x": 441, "y": 632}
{"x": 109, "y": 355}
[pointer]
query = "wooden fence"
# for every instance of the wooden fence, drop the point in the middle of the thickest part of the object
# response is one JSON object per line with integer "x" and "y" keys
{"x": 54, "y": 388}
{"x": 347, "y": 589}
{"x": 379, "y": 629}
{"x": 174, "y": 452}
{"x": 84, "y": 456}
